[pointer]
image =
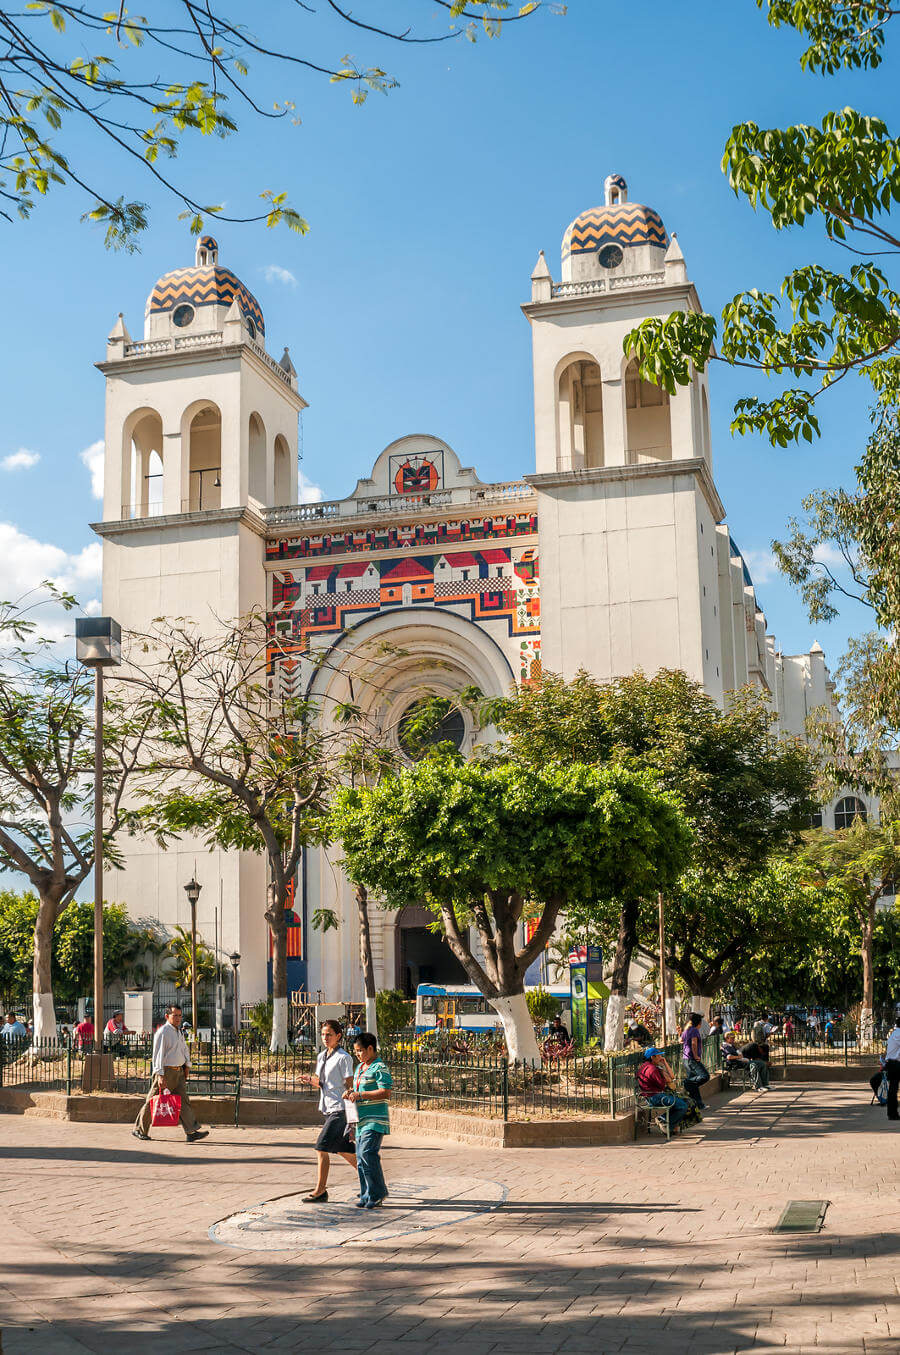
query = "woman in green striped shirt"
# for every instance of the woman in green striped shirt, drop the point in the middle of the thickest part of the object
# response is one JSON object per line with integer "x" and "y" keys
{"x": 370, "y": 1092}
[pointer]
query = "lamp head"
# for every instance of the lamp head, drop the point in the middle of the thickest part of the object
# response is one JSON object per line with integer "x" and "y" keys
{"x": 98, "y": 641}
{"x": 235, "y": 959}
{"x": 192, "y": 889}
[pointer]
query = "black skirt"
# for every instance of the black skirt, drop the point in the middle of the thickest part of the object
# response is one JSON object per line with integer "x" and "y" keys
{"x": 334, "y": 1136}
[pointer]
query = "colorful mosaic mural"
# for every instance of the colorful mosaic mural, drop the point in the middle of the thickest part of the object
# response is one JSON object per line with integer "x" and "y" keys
{"x": 312, "y": 605}
{"x": 404, "y": 536}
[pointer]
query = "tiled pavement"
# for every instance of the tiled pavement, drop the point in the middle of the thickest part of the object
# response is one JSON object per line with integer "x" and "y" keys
{"x": 656, "y": 1249}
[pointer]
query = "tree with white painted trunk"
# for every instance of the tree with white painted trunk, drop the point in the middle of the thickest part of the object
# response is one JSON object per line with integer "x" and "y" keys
{"x": 475, "y": 842}
{"x": 47, "y": 775}
{"x": 745, "y": 792}
{"x": 227, "y": 759}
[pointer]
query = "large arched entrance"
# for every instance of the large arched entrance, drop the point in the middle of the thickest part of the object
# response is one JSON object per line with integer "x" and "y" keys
{"x": 423, "y": 956}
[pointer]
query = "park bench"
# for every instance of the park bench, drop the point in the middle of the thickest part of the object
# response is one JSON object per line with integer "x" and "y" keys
{"x": 737, "y": 1076}
{"x": 647, "y": 1115}
{"x": 217, "y": 1077}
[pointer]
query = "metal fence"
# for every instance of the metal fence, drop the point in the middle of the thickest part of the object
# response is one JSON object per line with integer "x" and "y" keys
{"x": 428, "y": 1074}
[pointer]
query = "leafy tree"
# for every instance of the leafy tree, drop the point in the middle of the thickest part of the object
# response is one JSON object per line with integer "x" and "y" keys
{"x": 133, "y": 88}
{"x": 857, "y": 531}
{"x": 853, "y": 866}
{"x": 18, "y": 914}
{"x": 179, "y": 949}
{"x": 394, "y": 1012}
{"x": 230, "y": 761}
{"x": 474, "y": 842}
{"x": 542, "y": 1006}
{"x": 842, "y": 176}
{"x": 46, "y": 777}
{"x": 75, "y": 946}
{"x": 745, "y": 792}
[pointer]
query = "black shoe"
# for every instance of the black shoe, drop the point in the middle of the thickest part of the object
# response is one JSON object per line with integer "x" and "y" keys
{"x": 137, "y": 1133}
{"x": 198, "y": 1134}
{"x": 315, "y": 1199}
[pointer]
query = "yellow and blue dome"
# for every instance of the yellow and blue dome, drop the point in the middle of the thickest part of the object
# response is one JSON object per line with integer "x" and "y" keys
{"x": 618, "y": 222}
{"x": 206, "y": 284}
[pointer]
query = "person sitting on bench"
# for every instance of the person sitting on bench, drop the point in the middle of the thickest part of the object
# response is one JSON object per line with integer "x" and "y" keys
{"x": 656, "y": 1083}
{"x": 731, "y": 1055}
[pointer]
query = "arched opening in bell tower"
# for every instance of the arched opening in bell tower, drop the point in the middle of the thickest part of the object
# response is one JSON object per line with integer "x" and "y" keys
{"x": 205, "y": 460}
{"x": 648, "y": 423}
{"x": 282, "y": 471}
{"x": 580, "y": 409}
{"x": 257, "y": 450}
{"x": 142, "y": 465}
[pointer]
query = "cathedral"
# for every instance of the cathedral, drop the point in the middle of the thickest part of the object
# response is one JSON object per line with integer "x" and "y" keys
{"x": 608, "y": 550}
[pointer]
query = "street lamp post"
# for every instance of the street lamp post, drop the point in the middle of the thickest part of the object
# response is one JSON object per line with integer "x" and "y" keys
{"x": 235, "y": 996}
{"x": 98, "y": 645}
{"x": 192, "y": 889}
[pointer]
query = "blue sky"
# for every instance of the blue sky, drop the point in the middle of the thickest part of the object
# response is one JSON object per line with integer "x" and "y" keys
{"x": 427, "y": 209}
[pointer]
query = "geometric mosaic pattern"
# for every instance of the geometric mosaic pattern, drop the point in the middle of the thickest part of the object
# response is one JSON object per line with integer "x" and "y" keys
{"x": 212, "y": 286}
{"x": 406, "y": 536}
{"x": 624, "y": 224}
{"x": 313, "y": 604}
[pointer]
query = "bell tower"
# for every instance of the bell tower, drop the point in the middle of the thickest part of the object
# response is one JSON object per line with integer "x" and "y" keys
{"x": 627, "y": 506}
{"x": 201, "y": 440}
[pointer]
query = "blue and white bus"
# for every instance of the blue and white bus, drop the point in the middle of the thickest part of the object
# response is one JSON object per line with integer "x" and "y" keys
{"x": 457, "y": 1006}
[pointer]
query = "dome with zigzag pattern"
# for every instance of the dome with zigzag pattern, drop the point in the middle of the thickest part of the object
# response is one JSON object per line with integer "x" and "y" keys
{"x": 625, "y": 224}
{"x": 206, "y": 284}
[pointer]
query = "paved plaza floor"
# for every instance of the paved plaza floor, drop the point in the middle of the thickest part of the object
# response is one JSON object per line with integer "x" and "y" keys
{"x": 110, "y": 1245}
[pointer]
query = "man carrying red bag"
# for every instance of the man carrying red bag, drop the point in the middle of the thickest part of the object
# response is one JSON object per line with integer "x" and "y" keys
{"x": 169, "y": 1070}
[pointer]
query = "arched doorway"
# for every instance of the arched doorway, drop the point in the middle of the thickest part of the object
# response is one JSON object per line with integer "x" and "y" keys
{"x": 423, "y": 956}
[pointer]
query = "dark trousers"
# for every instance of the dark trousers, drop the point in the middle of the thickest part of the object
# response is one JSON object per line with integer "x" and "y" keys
{"x": 892, "y": 1068}
{"x": 695, "y": 1074}
{"x": 372, "y": 1187}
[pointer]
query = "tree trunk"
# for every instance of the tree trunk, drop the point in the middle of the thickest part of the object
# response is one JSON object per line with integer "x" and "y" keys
{"x": 701, "y": 1004}
{"x": 867, "y": 1007}
{"x": 361, "y": 894}
{"x": 42, "y": 995}
{"x": 618, "y": 996}
{"x": 518, "y": 1027}
{"x": 277, "y": 920}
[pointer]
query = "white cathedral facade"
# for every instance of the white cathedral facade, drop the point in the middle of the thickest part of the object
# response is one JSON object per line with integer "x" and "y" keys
{"x": 610, "y": 553}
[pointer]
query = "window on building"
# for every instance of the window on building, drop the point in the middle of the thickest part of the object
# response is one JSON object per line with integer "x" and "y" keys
{"x": 815, "y": 820}
{"x": 848, "y": 810}
{"x": 427, "y": 722}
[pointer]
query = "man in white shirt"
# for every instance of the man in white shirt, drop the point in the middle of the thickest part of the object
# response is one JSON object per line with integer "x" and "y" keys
{"x": 892, "y": 1069}
{"x": 333, "y": 1076}
{"x": 12, "y": 1028}
{"x": 169, "y": 1070}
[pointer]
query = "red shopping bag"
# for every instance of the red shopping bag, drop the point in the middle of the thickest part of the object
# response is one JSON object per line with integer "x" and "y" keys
{"x": 165, "y": 1110}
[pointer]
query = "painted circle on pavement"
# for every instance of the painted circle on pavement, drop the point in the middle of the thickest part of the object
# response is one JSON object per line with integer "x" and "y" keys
{"x": 286, "y": 1224}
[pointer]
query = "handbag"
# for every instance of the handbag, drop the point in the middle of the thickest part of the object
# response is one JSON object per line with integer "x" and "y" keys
{"x": 165, "y": 1110}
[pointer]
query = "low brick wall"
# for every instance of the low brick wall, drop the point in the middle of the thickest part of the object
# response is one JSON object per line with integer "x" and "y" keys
{"x": 485, "y": 1133}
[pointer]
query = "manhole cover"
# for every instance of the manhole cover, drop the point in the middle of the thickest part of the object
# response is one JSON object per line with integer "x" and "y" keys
{"x": 286, "y": 1224}
{"x": 802, "y": 1216}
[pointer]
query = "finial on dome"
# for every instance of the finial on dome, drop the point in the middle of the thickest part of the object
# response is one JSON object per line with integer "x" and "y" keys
{"x": 207, "y": 252}
{"x": 615, "y": 190}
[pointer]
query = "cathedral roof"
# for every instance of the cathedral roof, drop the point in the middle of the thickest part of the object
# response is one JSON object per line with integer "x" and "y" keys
{"x": 617, "y": 222}
{"x": 206, "y": 284}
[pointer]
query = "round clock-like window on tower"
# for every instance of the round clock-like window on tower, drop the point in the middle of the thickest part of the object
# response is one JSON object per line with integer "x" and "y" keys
{"x": 182, "y": 315}
{"x": 610, "y": 256}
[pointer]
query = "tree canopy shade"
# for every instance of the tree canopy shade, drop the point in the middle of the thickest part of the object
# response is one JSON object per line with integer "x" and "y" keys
{"x": 474, "y": 842}
{"x": 745, "y": 792}
{"x": 131, "y": 88}
{"x": 842, "y": 175}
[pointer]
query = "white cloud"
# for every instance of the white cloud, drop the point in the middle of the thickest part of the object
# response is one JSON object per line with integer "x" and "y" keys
{"x": 307, "y": 491}
{"x": 92, "y": 457}
{"x": 273, "y": 272}
{"x": 762, "y": 565}
{"x": 26, "y": 562}
{"x": 827, "y": 554}
{"x": 20, "y": 460}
